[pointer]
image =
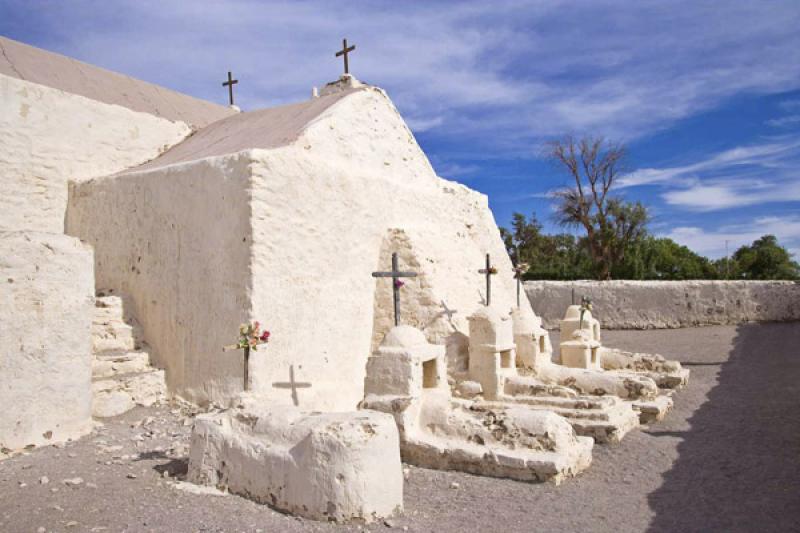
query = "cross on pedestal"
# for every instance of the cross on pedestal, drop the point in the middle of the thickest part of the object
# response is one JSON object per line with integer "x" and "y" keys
{"x": 343, "y": 52}
{"x": 395, "y": 274}
{"x": 229, "y": 84}
{"x": 292, "y": 384}
{"x": 489, "y": 271}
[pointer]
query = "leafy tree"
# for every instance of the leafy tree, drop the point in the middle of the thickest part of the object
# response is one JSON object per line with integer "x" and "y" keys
{"x": 661, "y": 258}
{"x": 548, "y": 256}
{"x": 764, "y": 259}
{"x": 611, "y": 224}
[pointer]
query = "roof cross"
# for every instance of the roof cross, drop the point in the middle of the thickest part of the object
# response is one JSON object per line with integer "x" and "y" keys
{"x": 343, "y": 52}
{"x": 229, "y": 84}
{"x": 395, "y": 274}
{"x": 489, "y": 271}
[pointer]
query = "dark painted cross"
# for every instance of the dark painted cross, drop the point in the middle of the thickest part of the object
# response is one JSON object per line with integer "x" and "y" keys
{"x": 292, "y": 384}
{"x": 395, "y": 274}
{"x": 229, "y": 84}
{"x": 343, "y": 52}
{"x": 489, "y": 271}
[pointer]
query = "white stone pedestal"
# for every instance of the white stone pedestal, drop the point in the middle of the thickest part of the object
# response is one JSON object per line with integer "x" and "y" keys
{"x": 323, "y": 466}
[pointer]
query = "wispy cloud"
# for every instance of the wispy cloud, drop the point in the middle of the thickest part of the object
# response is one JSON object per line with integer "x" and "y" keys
{"x": 788, "y": 120}
{"x": 764, "y": 155}
{"x": 712, "y": 243}
{"x": 741, "y": 176}
{"x": 501, "y": 74}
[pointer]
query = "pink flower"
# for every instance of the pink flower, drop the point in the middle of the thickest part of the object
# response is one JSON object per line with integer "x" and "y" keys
{"x": 398, "y": 283}
{"x": 265, "y": 336}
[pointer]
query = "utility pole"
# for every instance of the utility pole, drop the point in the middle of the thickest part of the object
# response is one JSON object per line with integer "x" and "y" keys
{"x": 727, "y": 261}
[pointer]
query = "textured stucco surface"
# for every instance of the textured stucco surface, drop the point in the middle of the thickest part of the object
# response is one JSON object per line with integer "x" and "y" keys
{"x": 668, "y": 304}
{"x": 35, "y": 65}
{"x": 290, "y": 236}
{"x": 47, "y": 295}
{"x": 323, "y": 466}
{"x": 48, "y": 136}
{"x": 177, "y": 242}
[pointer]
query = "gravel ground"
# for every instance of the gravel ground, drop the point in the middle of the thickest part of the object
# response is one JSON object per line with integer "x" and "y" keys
{"x": 726, "y": 459}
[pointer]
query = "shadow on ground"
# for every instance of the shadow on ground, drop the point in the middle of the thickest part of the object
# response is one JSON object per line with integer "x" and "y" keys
{"x": 738, "y": 467}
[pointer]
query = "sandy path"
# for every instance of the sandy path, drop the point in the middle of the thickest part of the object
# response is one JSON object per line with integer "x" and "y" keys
{"x": 727, "y": 459}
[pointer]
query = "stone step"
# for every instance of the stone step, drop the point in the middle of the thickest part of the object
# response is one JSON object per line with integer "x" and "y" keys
{"x": 653, "y": 410}
{"x": 605, "y": 418}
{"x": 114, "y": 336}
{"x": 113, "y": 397}
{"x": 108, "y": 364}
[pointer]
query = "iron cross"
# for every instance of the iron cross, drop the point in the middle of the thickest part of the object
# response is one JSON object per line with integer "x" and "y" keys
{"x": 343, "y": 52}
{"x": 229, "y": 84}
{"x": 489, "y": 271}
{"x": 293, "y": 385}
{"x": 395, "y": 274}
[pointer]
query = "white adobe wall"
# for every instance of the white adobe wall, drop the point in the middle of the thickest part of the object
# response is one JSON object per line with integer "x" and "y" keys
{"x": 669, "y": 304}
{"x": 322, "y": 210}
{"x": 48, "y": 136}
{"x": 319, "y": 210}
{"x": 178, "y": 242}
{"x": 47, "y": 295}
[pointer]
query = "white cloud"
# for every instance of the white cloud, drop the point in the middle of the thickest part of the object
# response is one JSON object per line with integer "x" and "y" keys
{"x": 742, "y": 176}
{"x": 711, "y": 243}
{"x": 732, "y": 194}
{"x": 501, "y": 74}
{"x": 764, "y": 155}
{"x": 420, "y": 124}
{"x": 788, "y": 120}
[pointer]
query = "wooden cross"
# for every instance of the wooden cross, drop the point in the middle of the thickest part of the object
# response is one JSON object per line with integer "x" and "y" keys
{"x": 518, "y": 275}
{"x": 489, "y": 271}
{"x": 292, "y": 384}
{"x": 229, "y": 84}
{"x": 343, "y": 52}
{"x": 246, "y": 361}
{"x": 395, "y": 274}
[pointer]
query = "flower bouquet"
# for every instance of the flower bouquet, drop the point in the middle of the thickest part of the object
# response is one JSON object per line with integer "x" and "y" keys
{"x": 250, "y": 336}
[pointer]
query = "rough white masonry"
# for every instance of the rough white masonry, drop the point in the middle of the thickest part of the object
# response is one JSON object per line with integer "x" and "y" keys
{"x": 289, "y": 236}
{"x": 48, "y": 136}
{"x": 47, "y": 295}
{"x": 324, "y": 466}
{"x": 669, "y": 304}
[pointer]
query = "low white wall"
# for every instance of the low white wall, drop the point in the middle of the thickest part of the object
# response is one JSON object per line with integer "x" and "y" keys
{"x": 47, "y": 295}
{"x": 668, "y": 304}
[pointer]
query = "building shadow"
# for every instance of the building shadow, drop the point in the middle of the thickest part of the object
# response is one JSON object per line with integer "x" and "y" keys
{"x": 738, "y": 466}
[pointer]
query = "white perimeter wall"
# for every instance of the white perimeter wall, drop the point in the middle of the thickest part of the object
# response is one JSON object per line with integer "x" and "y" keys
{"x": 48, "y": 136}
{"x": 669, "y": 304}
{"x": 47, "y": 295}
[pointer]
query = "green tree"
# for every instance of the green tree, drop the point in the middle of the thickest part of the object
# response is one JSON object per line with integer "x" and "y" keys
{"x": 661, "y": 258}
{"x": 548, "y": 256}
{"x": 611, "y": 223}
{"x": 764, "y": 259}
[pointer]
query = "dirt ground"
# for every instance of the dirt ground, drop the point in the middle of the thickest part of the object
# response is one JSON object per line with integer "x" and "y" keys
{"x": 726, "y": 459}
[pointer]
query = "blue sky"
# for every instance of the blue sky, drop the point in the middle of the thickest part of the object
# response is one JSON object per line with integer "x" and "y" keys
{"x": 705, "y": 94}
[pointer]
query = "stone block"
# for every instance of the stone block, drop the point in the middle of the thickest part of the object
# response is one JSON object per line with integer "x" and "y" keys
{"x": 324, "y": 466}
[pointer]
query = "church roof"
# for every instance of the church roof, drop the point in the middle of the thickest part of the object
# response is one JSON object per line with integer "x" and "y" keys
{"x": 35, "y": 65}
{"x": 264, "y": 129}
